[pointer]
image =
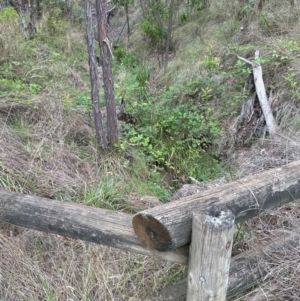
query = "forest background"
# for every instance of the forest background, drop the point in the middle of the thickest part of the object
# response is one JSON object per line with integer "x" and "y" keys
{"x": 175, "y": 64}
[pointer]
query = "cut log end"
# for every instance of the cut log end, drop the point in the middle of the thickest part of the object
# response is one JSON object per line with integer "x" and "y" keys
{"x": 218, "y": 220}
{"x": 151, "y": 232}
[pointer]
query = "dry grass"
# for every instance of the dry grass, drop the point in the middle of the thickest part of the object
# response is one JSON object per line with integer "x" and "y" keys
{"x": 48, "y": 149}
{"x": 50, "y": 267}
{"x": 283, "y": 266}
{"x": 39, "y": 143}
{"x": 39, "y": 266}
{"x": 9, "y": 37}
{"x": 272, "y": 152}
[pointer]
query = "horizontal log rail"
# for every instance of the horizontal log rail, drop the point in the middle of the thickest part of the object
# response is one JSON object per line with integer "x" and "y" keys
{"x": 245, "y": 198}
{"x": 159, "y": 231}
{"x": 246, "y": 270}
{"x": 101, "y": 226}
{"x": 169, "y": 226}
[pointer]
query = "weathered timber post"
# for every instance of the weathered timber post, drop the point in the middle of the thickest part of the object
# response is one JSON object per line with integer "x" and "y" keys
{"x": 246, "y": 269}
{"x": 210, "y": 253}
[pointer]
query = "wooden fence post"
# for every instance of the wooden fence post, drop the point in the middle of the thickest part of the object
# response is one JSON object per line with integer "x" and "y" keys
{"x": 210, "y": 253}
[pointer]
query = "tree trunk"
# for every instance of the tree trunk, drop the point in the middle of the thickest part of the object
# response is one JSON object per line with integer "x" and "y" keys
{"x": 68, "y": 9}
{"x": 24, "y": 10}
{"x": 36, "y": 6}
{"x": 4, "y": 4}
{"x": 106, "y": 56}
{"x": 127, "y": 20}
{"x": 169, "y": 32}
{"x": 100, "y": 134}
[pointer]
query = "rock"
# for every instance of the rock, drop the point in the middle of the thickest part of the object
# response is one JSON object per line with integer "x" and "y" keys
{"x": 190, "y": 189}
{"x": 144, "y": 202}
{"x": 150, "y": 201}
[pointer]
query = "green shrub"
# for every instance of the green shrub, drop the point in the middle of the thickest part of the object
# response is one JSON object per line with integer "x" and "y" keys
{"x": 154, "y": 25}
{"x": 172, "y": 132}
{"x": 52, "y": 27}
{"x": 106, "y": 195}
{"x": 152, "y": 31}
{"x": 10, "y": 33}
{"x": 125, "y": 57}
{"x": 8, "y": 14}
{"x": 142, "y": 73}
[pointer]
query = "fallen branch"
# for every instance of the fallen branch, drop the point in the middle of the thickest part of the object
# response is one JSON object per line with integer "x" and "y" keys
{"x": 261, "y": 93}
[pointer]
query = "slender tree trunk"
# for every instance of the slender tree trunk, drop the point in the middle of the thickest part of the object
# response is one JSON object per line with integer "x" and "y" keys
{"x": 142, "y": 5}
{"x": 68, "y": 9}
{"x": 39, "y": 11}
{"x": 106, "y": 56}
{"x": 170, "y": 24}
{"x": 4, "y": 4}
{"x": 36, "y": 9}
{"x": 127, "y": 20}
{"x": 100, "y": 135}
{"x": 24, "y": 10}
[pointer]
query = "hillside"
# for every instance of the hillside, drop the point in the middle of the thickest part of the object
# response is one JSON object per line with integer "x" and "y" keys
{"x": 194, "y": 118}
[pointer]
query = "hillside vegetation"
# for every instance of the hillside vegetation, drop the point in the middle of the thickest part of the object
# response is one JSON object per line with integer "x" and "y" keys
{"x": 185, "y": 125}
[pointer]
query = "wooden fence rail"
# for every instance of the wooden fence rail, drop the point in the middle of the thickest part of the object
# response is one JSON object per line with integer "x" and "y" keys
{"x": 163, "y": 231}
{"x": 101, "y": 226}
{"x": 169, "y": 226}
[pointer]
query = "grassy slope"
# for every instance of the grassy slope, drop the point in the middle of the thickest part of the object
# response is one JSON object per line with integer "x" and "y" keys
{"x": 48, "y": 148}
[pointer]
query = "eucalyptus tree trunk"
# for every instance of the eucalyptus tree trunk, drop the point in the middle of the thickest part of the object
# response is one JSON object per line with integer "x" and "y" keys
{"x": 37, "y": 9}
{"x": 68, "y": 8}
{"x": 27, "y": 20}
{"x": 4, "y": 4}
{"x": 127, "y": 20}
{"x": 100, "y": 134}
{"x": 108, "y": 81}
{"x": 170, "y": 24}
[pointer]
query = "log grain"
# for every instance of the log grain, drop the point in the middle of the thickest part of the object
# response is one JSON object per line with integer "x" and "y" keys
{"x": 247, "y": 269}
{"x": 101, "y": 226}
{"x": 210, "y": 253}
{"x": 169, "y": 226}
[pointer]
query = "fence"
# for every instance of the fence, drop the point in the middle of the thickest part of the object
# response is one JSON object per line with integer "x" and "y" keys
{"x": 165, "y": 231}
